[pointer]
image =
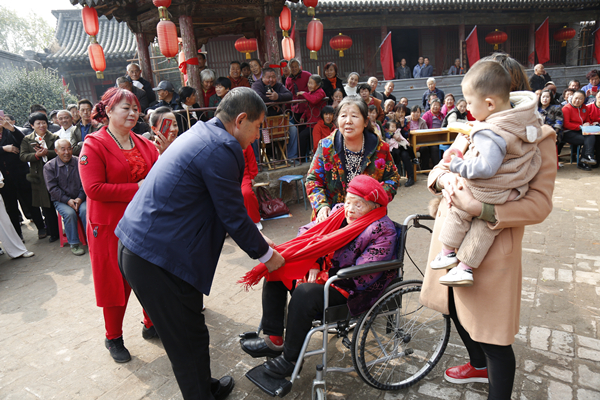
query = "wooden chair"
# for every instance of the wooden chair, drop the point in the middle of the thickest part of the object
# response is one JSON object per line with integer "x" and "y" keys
{"x": 278, "y": 127}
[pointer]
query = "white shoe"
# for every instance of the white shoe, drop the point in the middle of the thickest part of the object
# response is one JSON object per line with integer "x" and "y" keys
{"x": 444, "y": 262}
{"x": 457, "y": 277}
{"x": 27, "y": 254}
{"x": 259, "y": 225}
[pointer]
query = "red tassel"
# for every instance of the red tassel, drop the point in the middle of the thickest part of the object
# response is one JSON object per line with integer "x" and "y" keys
{"x": 253, "y": 276}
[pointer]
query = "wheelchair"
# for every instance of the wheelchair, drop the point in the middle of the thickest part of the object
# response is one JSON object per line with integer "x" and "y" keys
{"x": 395, "y": 344}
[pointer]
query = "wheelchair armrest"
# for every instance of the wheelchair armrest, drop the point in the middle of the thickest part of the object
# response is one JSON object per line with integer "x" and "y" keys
{"x": 369, "y": 268}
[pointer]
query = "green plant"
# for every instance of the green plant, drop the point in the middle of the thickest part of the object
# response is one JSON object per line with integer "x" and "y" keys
{"x": 23, "y": 33}
{"x": 19, "y": 89}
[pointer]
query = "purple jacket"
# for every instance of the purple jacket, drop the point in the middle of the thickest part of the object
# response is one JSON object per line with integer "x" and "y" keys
{"x": 375, "y": 243}
{"x": 62, "y": 185}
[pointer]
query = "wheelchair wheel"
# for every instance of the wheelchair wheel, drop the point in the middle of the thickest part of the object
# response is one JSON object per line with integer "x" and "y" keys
{"x": 399, "y": 341}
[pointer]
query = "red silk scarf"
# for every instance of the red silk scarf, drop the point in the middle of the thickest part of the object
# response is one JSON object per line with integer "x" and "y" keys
{"x": 302, "y": 252}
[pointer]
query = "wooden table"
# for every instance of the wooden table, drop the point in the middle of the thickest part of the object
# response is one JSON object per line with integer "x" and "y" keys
{"x": 430, "y": 137}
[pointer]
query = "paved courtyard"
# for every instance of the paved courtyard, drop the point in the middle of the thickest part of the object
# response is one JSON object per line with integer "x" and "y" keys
{"x": 52, "y": 336}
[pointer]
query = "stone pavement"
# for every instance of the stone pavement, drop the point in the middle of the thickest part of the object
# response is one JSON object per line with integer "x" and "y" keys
{"x": 51, "y": 332}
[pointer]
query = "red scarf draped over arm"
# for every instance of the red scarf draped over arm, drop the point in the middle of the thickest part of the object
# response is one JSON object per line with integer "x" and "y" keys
{"x": 302, "y": 252}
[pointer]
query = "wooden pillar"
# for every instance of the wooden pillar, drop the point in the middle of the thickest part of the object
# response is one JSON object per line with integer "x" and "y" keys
{"x": 572, "y": 49}
{"x": 144, "y": 56}
{"x": 272, "y": 45}
{"x": 188, "y": 40}
{"x": 461, "y": 40}
{"x": 531, "y": 52}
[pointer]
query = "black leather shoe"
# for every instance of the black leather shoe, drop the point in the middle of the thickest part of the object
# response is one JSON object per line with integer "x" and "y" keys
{"x": 42, "y": 233}
{"x": 149, "y": 333}
{"x": 279, "y": 368}
{"x": 589, "y": 160}
{"x": 53, "y": 239}
{"x": 257, "y": 347}
{"x": 226, "y": 385}
{"x": 584, "y": 167}
{"x": 117, "y": 350}
{"x": 409, "y": 182}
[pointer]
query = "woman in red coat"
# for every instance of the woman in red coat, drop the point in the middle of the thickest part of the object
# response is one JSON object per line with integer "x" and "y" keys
{"x": 250, "y": 172}
{"x": 113, "y": 164}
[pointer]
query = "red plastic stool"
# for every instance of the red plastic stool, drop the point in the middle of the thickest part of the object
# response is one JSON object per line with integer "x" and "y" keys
{"x": 63, "y": 236}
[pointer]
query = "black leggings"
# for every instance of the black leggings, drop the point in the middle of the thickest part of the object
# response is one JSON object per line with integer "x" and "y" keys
{"x": 500, "y": 360}
{"x": 404, "y": 156}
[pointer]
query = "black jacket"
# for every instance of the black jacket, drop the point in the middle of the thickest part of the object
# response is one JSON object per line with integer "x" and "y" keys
{"x": 328, "y": 89}
{"x": 284, "y": 95}
{"x": 537, "y": 82}
{"x": 10, "y": 163}
{"x": 148, "y": 89}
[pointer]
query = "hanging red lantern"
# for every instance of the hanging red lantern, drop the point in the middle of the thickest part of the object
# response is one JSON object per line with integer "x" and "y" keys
{"x": 314, "y": 37}
{"x": 247, "y": 46}
{"x": 340, "y": 43}
{"x": 285, "y": 20}
{"x": 161, "y": 3}
{"x": 497, "y": 37}
{"x": 167, "y": 38}
{"x": 97, "y": 60}
{"x": 90, "y": 20}
{"x": 311, "y": 4}
{"x": 564, "y": 34}
{"x": 287, "y": 47}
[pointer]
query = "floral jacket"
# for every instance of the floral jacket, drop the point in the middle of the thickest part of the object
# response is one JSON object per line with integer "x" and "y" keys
{"x": 375, "y": 243}
{"x": 326, "y": 180}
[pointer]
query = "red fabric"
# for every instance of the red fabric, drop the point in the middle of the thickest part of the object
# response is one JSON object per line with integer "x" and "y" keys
{"x": 593, "y": 113}
{"x": 472, "y": 47}
{"x": 302, "y": 252}
{"x": 542, "y": 42}
{"x": 597, "y": 45}
{"x": 369, "y": 189}
{"x": 333, "y": 82}
{"x": 206, "y": 95}
{"x": 312, "y": 114}
{"x": 250, "y": 172}
{"x": 106, "y": 178}
{"x": 387, "y": 58}
{"x": 137, "y": 165}
{"x": 575, "y": 117}
{"x": 296, "y": 84}
{"x": 469, "y": 116}
{"x": 320, "y": 131}
{"x": 241, "y": 81}
{"x": 183, "y": 64}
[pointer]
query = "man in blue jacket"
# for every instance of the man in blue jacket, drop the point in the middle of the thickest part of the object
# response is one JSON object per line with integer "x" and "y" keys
{"x": 172, "y": 234}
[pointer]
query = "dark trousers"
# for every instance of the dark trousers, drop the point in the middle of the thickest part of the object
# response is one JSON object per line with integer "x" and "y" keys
{"x": 429, "y": 153}
{"x": 499, "y": 360}
{"x": 404, "y": 156}
{"x": 175, "y": 308}
{"x": 19, "y": 188}
{"x": 305, "y": 140}
{"x": 306, "y": 304}
{"x": 577, "y": 138}
{"x": 51, "y": 219}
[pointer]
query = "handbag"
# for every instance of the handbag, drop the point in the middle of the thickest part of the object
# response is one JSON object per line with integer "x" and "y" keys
{"x": 270, "y": 207}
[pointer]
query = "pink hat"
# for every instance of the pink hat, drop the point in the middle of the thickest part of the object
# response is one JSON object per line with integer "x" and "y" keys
{"x": 369, "y": 189}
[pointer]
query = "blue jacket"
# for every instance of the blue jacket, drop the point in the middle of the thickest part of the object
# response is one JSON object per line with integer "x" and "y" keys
{"x": 191, "y": 197}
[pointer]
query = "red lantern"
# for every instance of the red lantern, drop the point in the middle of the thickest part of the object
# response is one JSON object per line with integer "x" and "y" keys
{"x": 497, "y": 37}
{"x": 161, "y": 3}
{"x": 97, "y": 60}
{"x": 167, "y": 38}
{"x": 314, "y": 37}
{"x": 287, "y": 47}
{"x": 340, "y": 43}
{"x": 247, "y": 46}
{"x": 564, "y": 34}
{"x": 285, "y": 20}
{"x": 90, "y": 20}
{"x": 311, "y": 4}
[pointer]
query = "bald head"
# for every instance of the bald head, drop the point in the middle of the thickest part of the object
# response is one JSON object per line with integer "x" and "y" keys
{"x": 63, "y": 149}
{"x": 65, "y": 119}
{"x": 539, "y": 70}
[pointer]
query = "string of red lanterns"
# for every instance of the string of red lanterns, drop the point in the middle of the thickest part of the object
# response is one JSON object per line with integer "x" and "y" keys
{"x": 314, "y": 37}
{"x": 564, "y": 34}
{"x": 89, "y": 15}
{"x": 496, "y": 37}
{"x": 340, "y": 43}
{"x": 166, "y": 30}
{"x": 285, "y": 20}
{"x": 247, "y": 46}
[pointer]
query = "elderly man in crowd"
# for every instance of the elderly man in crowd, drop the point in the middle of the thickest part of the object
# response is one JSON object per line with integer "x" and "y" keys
{"x": 72, "y": 108}
{"x": 539, "y": 78}
{"x": 255, "y": 71}
{"x": 65, "y": 120}
{"x": 373, "y": 82}
{"x": 431, "y": 89}
{"x": 27, "y": 129}
{"x": 166, "y": 96}
{"x": 85, "y": 125}
{"x": 135, "y": 73}
{"x": 403, "y": 71}
{"x": 456, "y": 69}
{"x": 235, "y": 75}
{"x": 387, "y": 92}
{"x": 66, "y": 191}
{"x": 297, "y": 82}
{"x": 125, "y": 82}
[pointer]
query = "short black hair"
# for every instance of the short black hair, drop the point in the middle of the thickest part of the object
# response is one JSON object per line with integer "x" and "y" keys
{"x": 255, "y": 59}
{"x": 403, "y": 108}
{"x": 10, "y": 116}
{"x": 488, "y": 78}
{"x": 184, "y": 93}
{"x": 269, "y": 69}
{"x": 416, "y": 108}
{"x": 158, "y": 113}
{"x": 574, "y": 93}
{"x": 37, "y": 116}
{"x": 363, "y": 86}
{"x": 244, "y": 65}
{"x": 84, "y": 101}
{"x": 391, "y": 121}
{"x": 235, "y": 62}
{"x": 202, "y": 55}
{"x": 241, "y": 100}
{"x": 327, "y": 110}
{"x": 37, "y": 108}
{"x": 222, "y": 81}
{"x": 372, "y": 108}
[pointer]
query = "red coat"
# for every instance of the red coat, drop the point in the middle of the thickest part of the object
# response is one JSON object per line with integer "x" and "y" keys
{"x": 107, "y": 182}
{"x": 295, "y": 84}
{"x": 320, "y": 131}
{"x": 312, "y": 114}
{"x": 574, "y": 117}
{"x": 593, "y": 112}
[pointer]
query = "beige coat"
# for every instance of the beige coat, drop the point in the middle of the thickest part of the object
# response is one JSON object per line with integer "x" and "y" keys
{"x": 489, "y": 310}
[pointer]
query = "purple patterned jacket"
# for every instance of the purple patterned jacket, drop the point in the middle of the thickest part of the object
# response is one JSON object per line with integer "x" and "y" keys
{"x": 375, "y": 243}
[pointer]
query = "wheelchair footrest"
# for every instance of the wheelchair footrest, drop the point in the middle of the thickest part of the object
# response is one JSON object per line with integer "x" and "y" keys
{"x": 269, "y": 385}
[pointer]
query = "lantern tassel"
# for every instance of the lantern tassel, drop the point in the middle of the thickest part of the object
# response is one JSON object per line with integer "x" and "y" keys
{"x": 341, "y": 53}
{"x": 564, "y": 44}
{"x": 313, "y": 55}
{"x": 310, "y": 12}
{"x": 495, "y": 47}
{"x": 247, "y": 56}
{"x": 99, "y": 75}
{"x": 285, "y": 33}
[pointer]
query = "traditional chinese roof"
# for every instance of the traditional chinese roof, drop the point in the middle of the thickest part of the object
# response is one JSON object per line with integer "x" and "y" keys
{"x": 117, "y": 40}
{"x": 355, "y": 6}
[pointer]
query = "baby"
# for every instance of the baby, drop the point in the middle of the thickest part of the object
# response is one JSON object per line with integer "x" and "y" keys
{"x": 503, "y": 156}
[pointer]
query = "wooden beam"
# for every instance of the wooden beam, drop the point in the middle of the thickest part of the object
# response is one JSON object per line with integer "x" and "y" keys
{"x": 272, "y": 45}
{"x": 188, "y": 40}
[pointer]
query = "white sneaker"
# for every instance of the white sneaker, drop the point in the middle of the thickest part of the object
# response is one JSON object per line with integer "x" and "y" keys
{"x": 259, "y": 225}
{"x": 444, "y": 262}
{"x": 457, "y": 277}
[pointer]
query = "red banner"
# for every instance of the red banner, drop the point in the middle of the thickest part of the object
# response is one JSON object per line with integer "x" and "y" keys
{"x": 387, "y": 58}
{"x": 472, "y": 47}
{"x": 597, "y": 45}
{"x": 542, "y": 42}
